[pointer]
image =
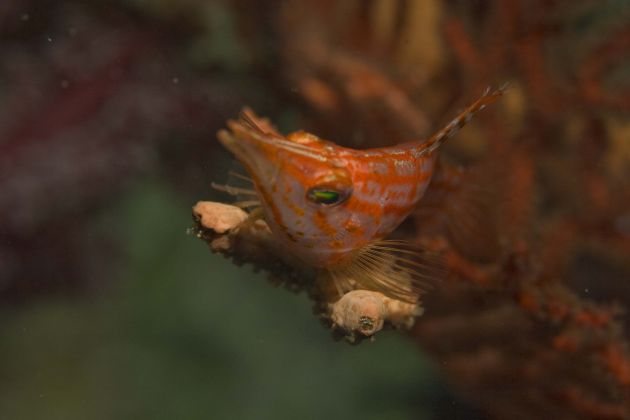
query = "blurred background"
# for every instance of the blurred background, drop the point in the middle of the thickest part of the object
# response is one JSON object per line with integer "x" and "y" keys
{"x": 108, "y": 115}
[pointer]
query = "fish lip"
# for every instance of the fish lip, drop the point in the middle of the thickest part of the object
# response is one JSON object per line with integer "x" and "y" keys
{"x": 264, "y": 154}
{"x": 249, "y": 150}
{"x": 242, "y": 142}
{"x": 244, "y": 149}
{"x": 229, "y": 141}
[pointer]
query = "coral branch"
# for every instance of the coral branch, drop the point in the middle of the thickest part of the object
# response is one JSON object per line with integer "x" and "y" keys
{"x": 246, "y": 238}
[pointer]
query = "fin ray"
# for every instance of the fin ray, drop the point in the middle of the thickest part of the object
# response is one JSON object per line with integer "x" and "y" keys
{"x": 399, "y": 269}
{"x": 247, "y": 204}
{"x": 467, "y": 202}
{"x": 457, "y": 123}
{"x": 232, "y": 190}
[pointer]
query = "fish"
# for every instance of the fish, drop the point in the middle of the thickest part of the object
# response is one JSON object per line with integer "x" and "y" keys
{"x": 333, "y": 207}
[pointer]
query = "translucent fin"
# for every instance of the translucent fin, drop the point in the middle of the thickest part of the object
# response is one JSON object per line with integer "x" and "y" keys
{"x": 465, "y": 203}
{"x": 398, "y": 269}
{"x": 235, "y": 191}
{"x": 242, "y": 177}
{"x": 241, "y": 187}
{"x": 255, "y": 123}
{"x": 247, "y": 204}
{"x": 450, "y": 129}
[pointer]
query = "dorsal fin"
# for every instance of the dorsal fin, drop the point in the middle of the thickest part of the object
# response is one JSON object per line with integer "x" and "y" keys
{"x": 464, "y": 204}
{"x": 450, "y": 129}
{"x": 249, "y": 119}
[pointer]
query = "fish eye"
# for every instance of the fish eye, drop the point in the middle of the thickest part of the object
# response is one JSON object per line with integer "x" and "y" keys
{"x": 327, "y": 196}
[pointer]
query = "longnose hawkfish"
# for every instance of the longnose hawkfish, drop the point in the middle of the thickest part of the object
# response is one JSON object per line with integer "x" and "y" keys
{"x": 332, "y": 207}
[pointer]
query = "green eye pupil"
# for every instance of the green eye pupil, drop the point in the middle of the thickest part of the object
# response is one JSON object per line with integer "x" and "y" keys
{"x": 324, "y": 196}
{"x": 328, "y": 195}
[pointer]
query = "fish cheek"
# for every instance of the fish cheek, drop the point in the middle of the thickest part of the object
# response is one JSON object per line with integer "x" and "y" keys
{"x": 368, "y": 227}
{"x": 295, "y": 213}
{"x": 364, "y": 219}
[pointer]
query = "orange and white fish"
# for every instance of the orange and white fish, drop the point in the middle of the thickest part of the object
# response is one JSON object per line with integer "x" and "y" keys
{"x": 331, "y": 206}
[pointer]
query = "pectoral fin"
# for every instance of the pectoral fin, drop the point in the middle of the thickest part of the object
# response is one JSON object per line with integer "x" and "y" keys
{"x": 398, "y": 269}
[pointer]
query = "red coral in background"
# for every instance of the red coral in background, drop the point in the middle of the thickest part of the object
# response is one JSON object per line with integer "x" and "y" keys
{"x": 524, "y": 336}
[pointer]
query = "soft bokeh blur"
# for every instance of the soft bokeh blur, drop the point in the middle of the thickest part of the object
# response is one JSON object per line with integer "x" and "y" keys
{"x": 183, "y": 334}
{"x": 110, "y": 310}
{"x": 108, "y": 115}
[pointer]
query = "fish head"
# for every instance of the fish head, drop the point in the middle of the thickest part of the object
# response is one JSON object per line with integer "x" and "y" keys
{"x": 305, "y": 186}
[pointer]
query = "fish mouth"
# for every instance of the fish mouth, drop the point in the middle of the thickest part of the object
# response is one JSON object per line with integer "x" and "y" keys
{"x": 260, "y": 147}
{"x": 254, "y": 154}
{"x": 231, "y": 143}
{"x": 246, "y": 136}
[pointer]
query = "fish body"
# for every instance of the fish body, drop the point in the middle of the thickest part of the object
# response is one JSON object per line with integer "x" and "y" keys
{"x": 330, "y": 206}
